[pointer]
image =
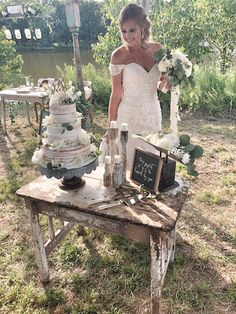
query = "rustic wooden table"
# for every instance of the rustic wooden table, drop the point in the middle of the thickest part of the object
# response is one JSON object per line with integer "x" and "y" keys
{"x": 35, "y": 96}
{"x": 150, "y": 221}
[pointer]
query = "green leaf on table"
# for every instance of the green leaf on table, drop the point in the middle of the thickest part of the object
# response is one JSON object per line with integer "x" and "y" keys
{"x": 189, "y": 148}
{"x": 197, "y": 152}
{"x": 184, "y": 139}
{"x": 191, "y": 170}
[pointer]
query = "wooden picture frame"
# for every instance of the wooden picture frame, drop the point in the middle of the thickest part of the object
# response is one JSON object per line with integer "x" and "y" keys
{"x": 146, "y": 169}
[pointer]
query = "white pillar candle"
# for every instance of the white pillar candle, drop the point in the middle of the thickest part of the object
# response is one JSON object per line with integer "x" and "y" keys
{"x": 113, "y": 124}
{"x": 124, "y": 127}
{"x": 107, "y": 159}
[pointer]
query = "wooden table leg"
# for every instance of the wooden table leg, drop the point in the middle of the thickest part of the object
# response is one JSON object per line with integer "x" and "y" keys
{"x": 36, "y": 111}
{"x": 28, "y": 114}
{"x": 173, "y": 241}
{"x": 156, "y": 271}
{"x": 40, "y": 253}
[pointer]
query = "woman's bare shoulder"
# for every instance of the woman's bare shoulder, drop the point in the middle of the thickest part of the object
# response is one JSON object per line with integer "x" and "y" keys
{"x": 154, "y": 47}
{"x": 119, "y": 56}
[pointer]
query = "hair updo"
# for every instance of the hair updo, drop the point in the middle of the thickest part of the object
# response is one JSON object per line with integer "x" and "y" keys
{"x": 138, "y": 15}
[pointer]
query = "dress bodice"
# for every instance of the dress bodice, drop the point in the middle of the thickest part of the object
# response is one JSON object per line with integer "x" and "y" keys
{"x": 139, "y": 106}
{"x": 136, "y": 80}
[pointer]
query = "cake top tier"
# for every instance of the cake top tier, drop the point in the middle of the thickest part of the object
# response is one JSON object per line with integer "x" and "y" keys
{"x": 62, "y": 98}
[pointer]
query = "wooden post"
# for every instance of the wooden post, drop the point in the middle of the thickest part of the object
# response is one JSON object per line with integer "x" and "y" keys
{"x": 145, "y": 4}
{"x": 77, "y": 59}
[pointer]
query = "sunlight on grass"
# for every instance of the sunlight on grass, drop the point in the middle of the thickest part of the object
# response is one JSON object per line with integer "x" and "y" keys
{"x": 232, "y": 292}
{"x": 218, "y": 148}
{"x": 8, "y": 187}
{"x": 225, "y": 158}
{"x": 228, "y": 131}
{"x": 228, "y": 180}
{"x": 210, "y": 197}
{"x": 96, "y": 273}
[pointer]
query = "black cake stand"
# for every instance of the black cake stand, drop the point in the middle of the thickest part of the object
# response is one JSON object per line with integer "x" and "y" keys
{"x": 72, "y": 178}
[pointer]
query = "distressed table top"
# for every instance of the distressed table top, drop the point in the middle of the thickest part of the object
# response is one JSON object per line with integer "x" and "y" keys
{"x": 161, "y": 214}
{"x": 33, "y": 95}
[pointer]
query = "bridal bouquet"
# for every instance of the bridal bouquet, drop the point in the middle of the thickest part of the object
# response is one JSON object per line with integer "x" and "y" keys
{"x": 177, "y": 68}
{"x": 178, "y": 148}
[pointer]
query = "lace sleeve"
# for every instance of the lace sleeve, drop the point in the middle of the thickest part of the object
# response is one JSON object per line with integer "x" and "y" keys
{"x": 116, "y": 69}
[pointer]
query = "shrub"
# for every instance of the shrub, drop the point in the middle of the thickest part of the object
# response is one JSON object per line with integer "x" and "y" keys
{"x": 101, "y": 85}
{"x": 212, "y": 92}
{"x": 10, "y": 63}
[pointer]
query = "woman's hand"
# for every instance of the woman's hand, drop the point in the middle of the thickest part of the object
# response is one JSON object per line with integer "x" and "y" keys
{"x": 164, "y": 84}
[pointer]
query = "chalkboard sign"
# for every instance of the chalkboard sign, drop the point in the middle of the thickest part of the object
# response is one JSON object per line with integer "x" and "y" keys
{"x": 43, "y": 114}
{"x": 146, "y": 169}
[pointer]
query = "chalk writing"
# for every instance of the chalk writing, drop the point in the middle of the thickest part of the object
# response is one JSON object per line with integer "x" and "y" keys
{"x": 145, "y": 168}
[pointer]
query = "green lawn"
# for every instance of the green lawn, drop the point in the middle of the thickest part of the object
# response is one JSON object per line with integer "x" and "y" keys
{"x": 100, "y": 273}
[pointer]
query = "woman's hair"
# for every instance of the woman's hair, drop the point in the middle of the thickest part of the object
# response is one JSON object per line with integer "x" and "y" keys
{"x": 137, "y": 14}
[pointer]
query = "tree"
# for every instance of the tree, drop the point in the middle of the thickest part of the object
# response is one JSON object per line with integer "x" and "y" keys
{"x": 10, "y": 62}
{"x": 91, "y": 22}
{"x": 199, "y": 27}
{"x": 111, "y": 40}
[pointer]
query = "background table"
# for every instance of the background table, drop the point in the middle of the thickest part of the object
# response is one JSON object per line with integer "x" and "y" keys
{"x": 150, "y": 221}
{"x": 35, "y": 96}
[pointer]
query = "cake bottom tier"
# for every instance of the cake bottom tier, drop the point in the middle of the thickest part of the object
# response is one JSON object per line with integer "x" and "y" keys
{"x": 69, "y": 158}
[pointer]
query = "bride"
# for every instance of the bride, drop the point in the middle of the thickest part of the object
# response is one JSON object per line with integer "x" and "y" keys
{"x": 135, "y": 77}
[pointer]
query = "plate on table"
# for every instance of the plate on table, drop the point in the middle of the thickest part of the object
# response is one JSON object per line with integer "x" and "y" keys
{"x": 24, "y": 90}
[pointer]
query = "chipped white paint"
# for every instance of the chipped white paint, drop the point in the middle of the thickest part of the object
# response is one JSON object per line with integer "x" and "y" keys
{"x": 151, "y": 222}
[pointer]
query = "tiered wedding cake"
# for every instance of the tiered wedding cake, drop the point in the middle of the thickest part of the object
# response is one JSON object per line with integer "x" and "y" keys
{"x": 65, "y": 143}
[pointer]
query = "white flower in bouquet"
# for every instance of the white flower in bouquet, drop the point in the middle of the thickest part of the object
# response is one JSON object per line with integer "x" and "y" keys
{"x": 164, "y": 65}
{"x": 37, "y": 156}
{"x": 176, "y": 68}
{"x": 186, "y": 158}
{"x": 178, "y": 152}
{"x": 167, "y": 142}
{"x": 175, "y": 65}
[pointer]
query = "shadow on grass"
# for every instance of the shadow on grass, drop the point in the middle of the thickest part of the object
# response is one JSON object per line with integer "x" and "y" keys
{"x": 221, "y": 240}
{"x": 5, "y": 153}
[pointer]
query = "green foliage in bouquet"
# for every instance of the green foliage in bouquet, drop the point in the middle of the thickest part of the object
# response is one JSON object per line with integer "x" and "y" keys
{"x": 174, "y": 65}
{"x": 195, "y": 151}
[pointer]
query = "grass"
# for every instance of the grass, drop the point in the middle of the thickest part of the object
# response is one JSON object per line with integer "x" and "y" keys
{"x": 96, "y": 273}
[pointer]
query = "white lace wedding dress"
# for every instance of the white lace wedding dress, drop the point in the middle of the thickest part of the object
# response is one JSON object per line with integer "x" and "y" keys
{"x": 139, "y": 106}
